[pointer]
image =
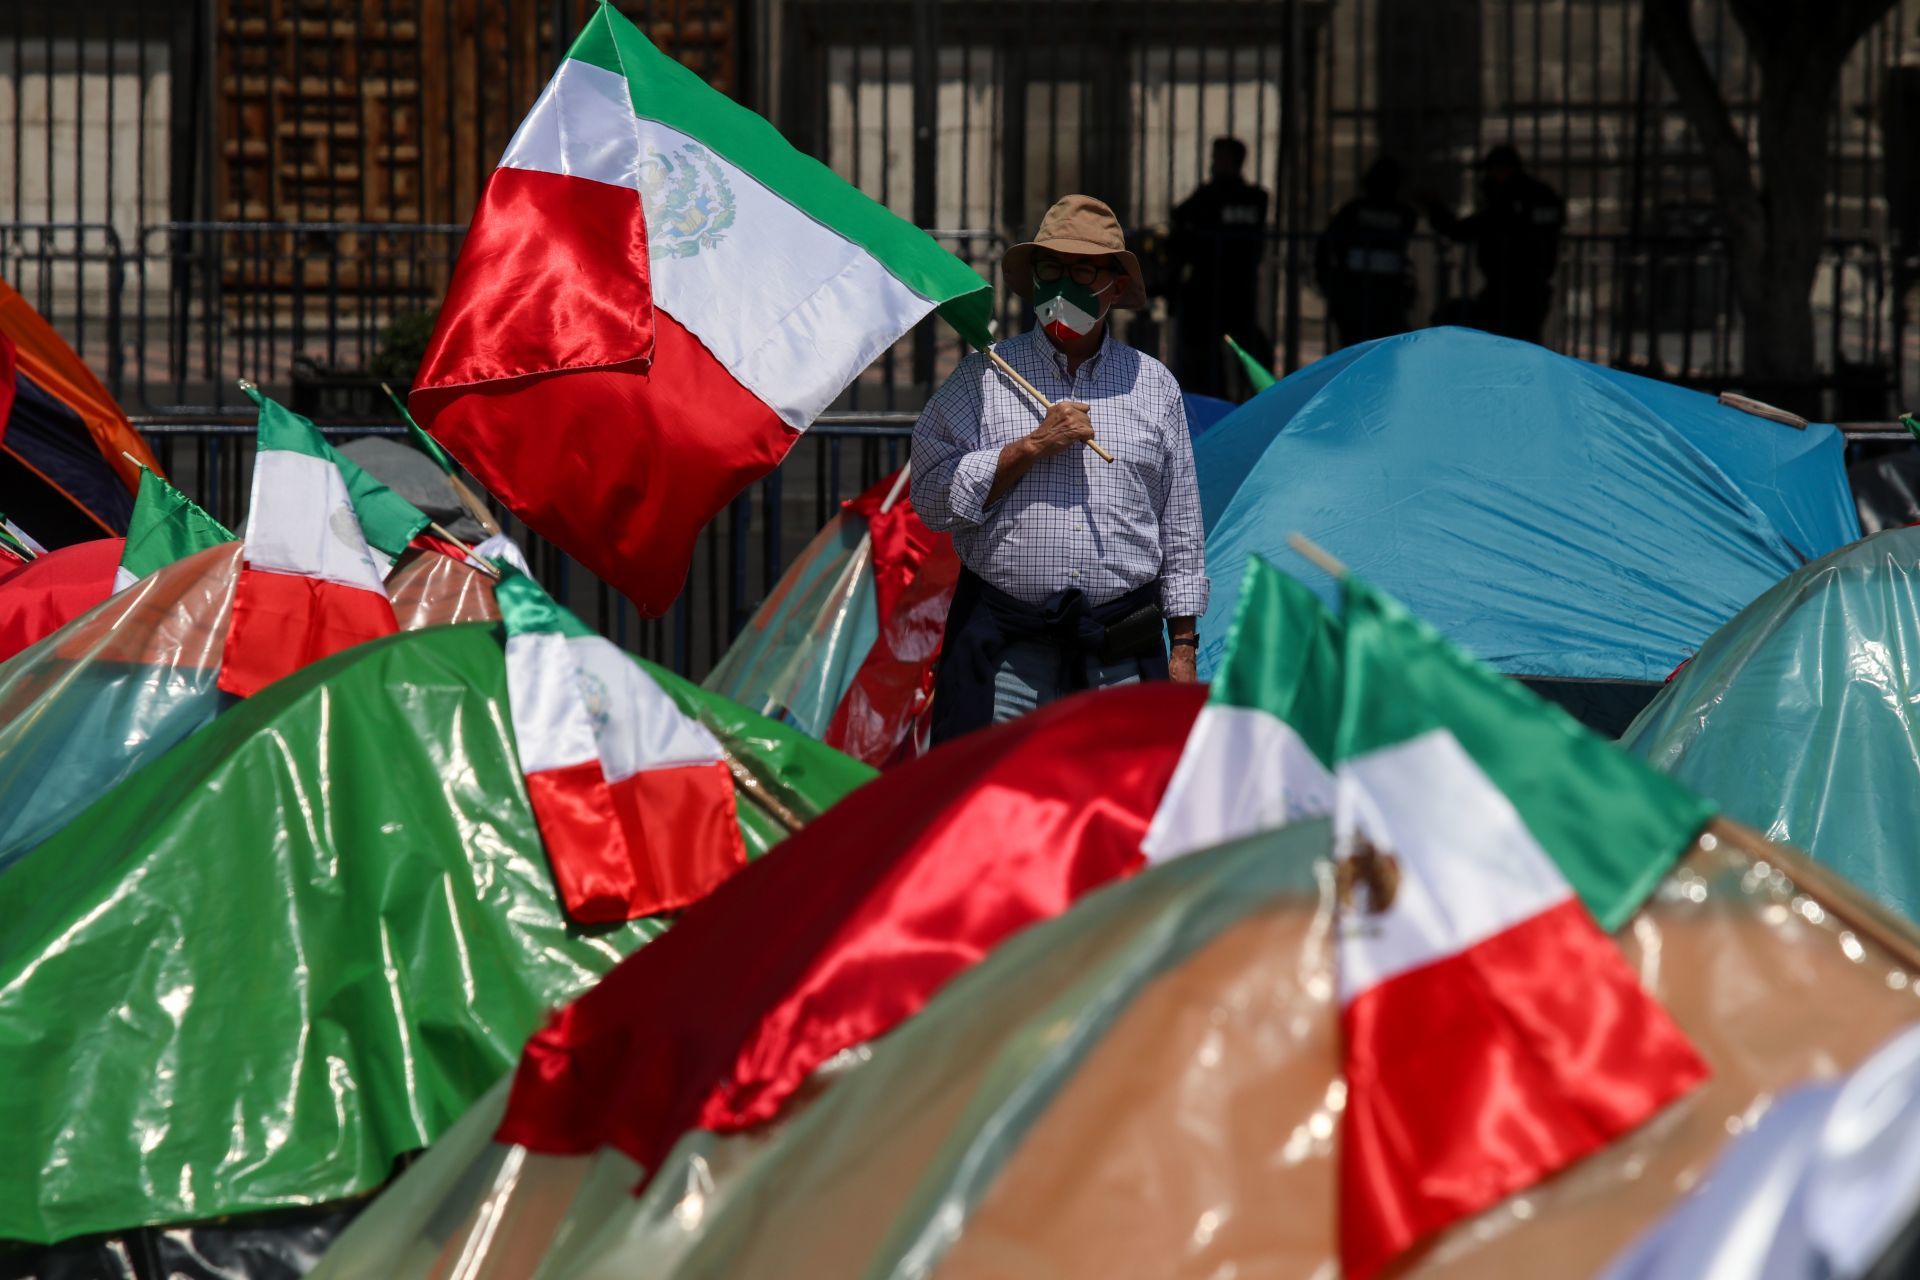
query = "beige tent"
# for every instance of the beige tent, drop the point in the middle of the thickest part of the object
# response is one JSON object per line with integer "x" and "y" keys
{"x": 1148, "y": 1086}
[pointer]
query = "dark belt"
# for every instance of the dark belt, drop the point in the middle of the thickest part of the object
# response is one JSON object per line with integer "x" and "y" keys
{"x": 985, "y": 621}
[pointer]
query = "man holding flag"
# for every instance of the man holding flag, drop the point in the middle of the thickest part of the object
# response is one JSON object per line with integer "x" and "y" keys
{"x": 1072, "y": 563}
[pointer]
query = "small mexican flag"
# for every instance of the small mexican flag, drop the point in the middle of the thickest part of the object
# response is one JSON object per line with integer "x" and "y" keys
{"x": 1493, "y": 1033}
{"x": 389, "y": 521}
{"x": 166, "y": 526}
{"x": 634, "y": 798}
{"x": 656, "y": 297}
{"x": 309, "y": 586}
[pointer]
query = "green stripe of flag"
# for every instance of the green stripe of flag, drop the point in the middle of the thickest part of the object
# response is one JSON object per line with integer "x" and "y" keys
{"x": 526, "y": 608}
{"x": 664, "y": 90}
{"x": 166, "y": 527}
{"x": 419, "y": 438}
{"x": 1610, "y": 823}
{"x": 1283, "y": 657}
{"x": 1258, "y": 374}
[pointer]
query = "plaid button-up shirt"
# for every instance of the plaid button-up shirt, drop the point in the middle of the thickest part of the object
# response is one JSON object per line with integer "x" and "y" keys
{"x": 1072, "y": 520}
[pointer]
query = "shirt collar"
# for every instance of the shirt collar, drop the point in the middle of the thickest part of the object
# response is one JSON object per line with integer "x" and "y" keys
{"x": 1059, "y": 357}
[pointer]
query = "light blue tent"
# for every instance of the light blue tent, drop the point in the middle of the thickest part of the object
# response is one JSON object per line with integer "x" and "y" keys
{"x": 1801, "y": 717}
{"x": 1558, "y": 520}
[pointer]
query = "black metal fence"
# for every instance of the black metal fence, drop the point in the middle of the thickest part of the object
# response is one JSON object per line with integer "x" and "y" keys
{"x": 196, "y": 190}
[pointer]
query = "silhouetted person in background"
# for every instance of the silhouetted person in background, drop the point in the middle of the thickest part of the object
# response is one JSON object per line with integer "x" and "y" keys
{"x": 1515, "y": 234}
{"x": 1219, "y": 236}
{"x": 1361, "y": 262}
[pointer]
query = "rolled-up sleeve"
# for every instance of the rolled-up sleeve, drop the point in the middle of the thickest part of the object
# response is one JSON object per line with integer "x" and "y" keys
{"x": 952, "y": 475}
{"x": 1183, "y": 557}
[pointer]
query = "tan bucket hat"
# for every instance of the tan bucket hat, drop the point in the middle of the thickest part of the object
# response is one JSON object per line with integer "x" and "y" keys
{"x": 1077, "y": 224}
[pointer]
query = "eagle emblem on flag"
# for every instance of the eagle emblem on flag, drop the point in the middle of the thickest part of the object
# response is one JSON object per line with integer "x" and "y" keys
{"x": 688, "y": 201}
{"x": 1370, "y": 870}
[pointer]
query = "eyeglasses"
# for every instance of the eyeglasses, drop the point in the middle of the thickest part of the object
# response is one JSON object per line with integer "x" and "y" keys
{"x": 1049, "y": 270}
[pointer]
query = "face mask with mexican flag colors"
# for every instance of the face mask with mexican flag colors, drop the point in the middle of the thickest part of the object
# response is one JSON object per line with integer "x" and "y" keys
{"x": 1486, "y": 840}
{"x": 1065, "y": 309}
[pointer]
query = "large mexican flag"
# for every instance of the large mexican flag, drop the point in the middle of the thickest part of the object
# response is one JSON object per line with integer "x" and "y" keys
{"x": 656, "y": 297}
{"x": 1492, "y": 1032}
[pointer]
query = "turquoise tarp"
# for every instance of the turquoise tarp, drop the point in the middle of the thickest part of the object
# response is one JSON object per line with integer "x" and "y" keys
{"x": 1801, "y": 717}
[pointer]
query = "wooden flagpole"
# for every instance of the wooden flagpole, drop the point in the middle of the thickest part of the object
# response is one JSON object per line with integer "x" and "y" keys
{"x": 758, "y": 792}
{"x": 1034, "y": 391}
{"x": 473, "y": 561}
{"x": 1318, "y": 555}
{"x": 899, "y": 486}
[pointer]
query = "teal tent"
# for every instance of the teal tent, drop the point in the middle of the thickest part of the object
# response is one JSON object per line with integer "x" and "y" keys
{"x": 1801, "y": 716}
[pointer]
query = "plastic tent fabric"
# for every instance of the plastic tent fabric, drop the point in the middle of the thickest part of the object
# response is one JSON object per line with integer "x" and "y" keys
{"x": 429, "y": 589}
{"x": 1204, "y": 412}
{"x": 1824, "y": 1185}
{"x": 47, "y": 593}
{"x": 844, "y": 645}
{"x": 92, "y": 703}
{"x": 85, "y": 708}
{"x": 797, "y": 654}
{"x": 1798, "y": 716}
{"x": 301, "y": 943}
{"x": 63, "y": 463}
{"x": 284, "y": 954}
{"x": 1555, "y": 519}
{"x": 1133, "y": 1087}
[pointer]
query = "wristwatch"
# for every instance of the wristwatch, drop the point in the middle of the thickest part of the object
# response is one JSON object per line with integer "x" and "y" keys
{"x": 1190, "y": 642}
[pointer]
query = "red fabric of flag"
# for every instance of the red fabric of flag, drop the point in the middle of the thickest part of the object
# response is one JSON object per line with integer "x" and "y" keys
{"x": 285, "y": 621}
{"x": 1476, "y": 1076}
{"x": 600, "y": 421}
{"x": 851, "y": 925}
{"x": 883, "y": 717}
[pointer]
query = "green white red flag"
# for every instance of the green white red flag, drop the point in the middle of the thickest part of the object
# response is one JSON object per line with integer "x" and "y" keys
{"x": 634, "y": 797}
{"x": 389, "y": 521}
{"x": 1492, "y": 1032}
{"x": 166, "y": 527}
{"x": 309, "y": 586}
{"x": 656, "y": 296}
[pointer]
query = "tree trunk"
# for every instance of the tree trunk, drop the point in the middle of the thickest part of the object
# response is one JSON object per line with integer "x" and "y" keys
{"x": 1776, "y": 225}
{"x": 1776, "y": 293}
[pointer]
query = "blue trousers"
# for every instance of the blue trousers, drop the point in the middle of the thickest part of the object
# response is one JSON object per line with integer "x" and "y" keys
{"x": 1028, "y": 677}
